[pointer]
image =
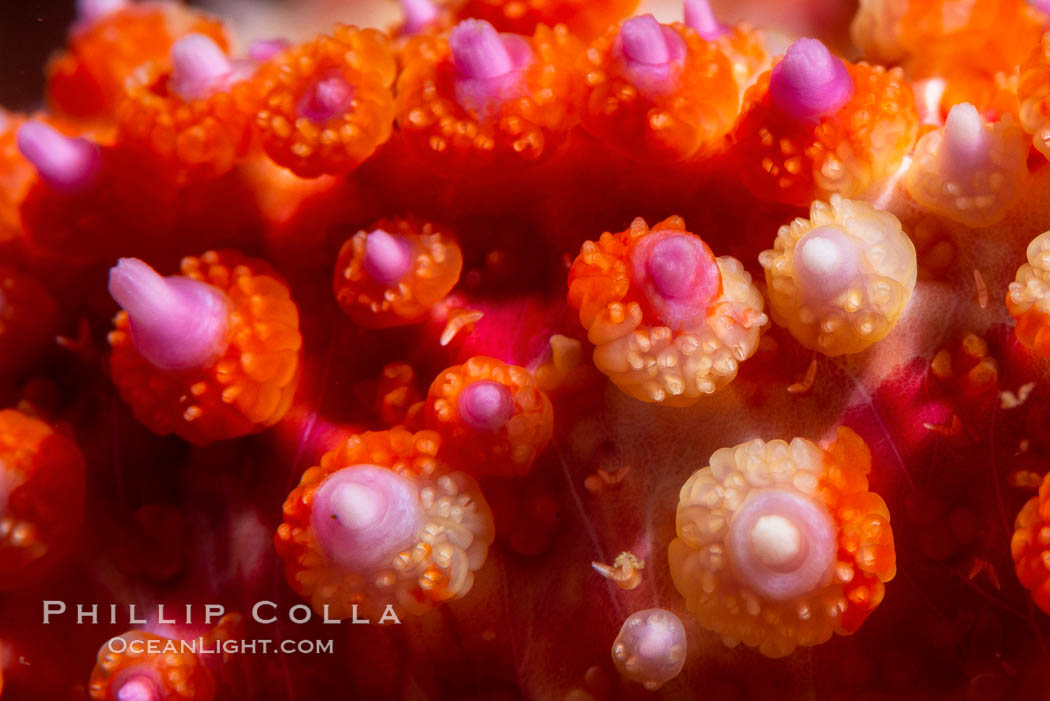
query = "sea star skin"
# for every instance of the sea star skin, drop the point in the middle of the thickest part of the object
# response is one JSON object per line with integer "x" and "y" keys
{"x": 28, "y": 320}
{"x": 86, "y": 81}
{"x": 446, "y": 543}
{"x": 662, "y": 109}
{"x": 584, "y": 18}
{"x": 846, "y": 151}
{"x": 248, "y": 385}
{"x": 758, "y": 587}
{"x": 326, "y": 105}
{"x": 491, "y": 415}
{"x": 635, "y": 325}
{"x": 422, "y": 265}
{"x": 42, "y": 492}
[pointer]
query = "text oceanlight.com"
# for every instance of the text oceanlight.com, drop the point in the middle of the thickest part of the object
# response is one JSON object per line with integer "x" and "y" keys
{"x": 155, "y": 646}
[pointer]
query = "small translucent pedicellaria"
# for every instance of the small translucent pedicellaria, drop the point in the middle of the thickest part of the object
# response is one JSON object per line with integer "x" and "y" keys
{"x": 395, "y": 273}
{"x": 781, "y": 544}
{"x": 650, "y": 648}
{"x": 1029, "y": 297}
{"x": 381, "y": 521}
{"x": 210, "y": 354}
{"x": 969, "y": 170}
{"x": 840, "y": 280}
{"x": 492, "y": 416}
{"x": 670, "y": 322}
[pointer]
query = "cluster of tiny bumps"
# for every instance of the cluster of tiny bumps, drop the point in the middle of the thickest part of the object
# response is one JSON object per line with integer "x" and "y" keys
{"x": 487, "y": 95}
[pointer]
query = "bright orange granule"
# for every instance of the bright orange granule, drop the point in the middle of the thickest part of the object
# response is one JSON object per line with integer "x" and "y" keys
{"x": 16, "y": 177}
{"x": 28, "y": 317}
{"x": 1030, "y": 546}
{"x": 461, "y": 142}
{"x": 188, "y": 139}
{"x": 437, "y": 263}
{"x": 178, "y": 673}
{"x": 1033, "y": 94}
{"x": 361, "y": 57}
{"x": 584, "y": 18}
{"x": 509, "y": 450}
{"x": 866, "y": 557}
{"x": 42, "y": 482}
{"x": 795, "y": 162}
{"x": 694, "y": 115}
{"x": 247, "y": 389}
{"x": 87, "y": 79}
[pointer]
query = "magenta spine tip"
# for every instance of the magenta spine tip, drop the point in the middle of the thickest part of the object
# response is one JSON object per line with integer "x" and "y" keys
{"x": 265, "y": 49}
{"x": 700, "y": 16}
{"x": 418, "y": 14}
{"x": 387, "y": 257}
{"x": 486, "y": 405}
{"x": 92, "y": 10}
{"x": 809, "y": 82}
{"x": 327, "y": 98}
{"x": 478, "y": 50}
{"x": 199, "y": 67}
{"x": 63, "y": 162}
{"x": 644, "y": 41}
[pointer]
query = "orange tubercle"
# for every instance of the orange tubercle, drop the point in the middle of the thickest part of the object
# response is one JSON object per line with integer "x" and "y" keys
{"x": 249, "y": 388}
{"x": 432, "y": 265}
{"x": 507, "y": 439}
{"x": 42, "y": 488}
{"x": 693, "y": 114}
{"x": 16, "y": 177}
{"x": 28, "y": 319}
{"x": 86, "y": 81}
{"x": 1030, "y": 546}
{"x": 336, "y": 139}
{"x": 791, "y": 161}
{"x": 519, "y": 131}
{"x": 584, "y": 18}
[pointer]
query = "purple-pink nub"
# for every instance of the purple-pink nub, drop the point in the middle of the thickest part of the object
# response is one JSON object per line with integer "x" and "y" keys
{"x": 327, "y": 98}
{"x": 176, "y": 322}
{"x": 91, "y": 10}
{"x": 265, "y": 49}
{"x": 679, "y": 276}
{"x": 364, "y": 515}
{"x": 699, "y": 16}
{"x": 672, "y": 267}
{"x": 478, "y": 50}
{"x": 809, "y": 83}
{"x": 387, "y": 257}
{"x": 138, "y": 688}
{"x": 418, "y": 14}
{"x": 199, "y": 67}
{"x": 486, "y": 405}
{"x": 644, "y": 41}
{"x": 63, "y": 162}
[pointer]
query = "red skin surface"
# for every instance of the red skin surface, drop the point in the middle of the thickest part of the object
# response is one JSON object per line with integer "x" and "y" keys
{"x": 539, "y": 618}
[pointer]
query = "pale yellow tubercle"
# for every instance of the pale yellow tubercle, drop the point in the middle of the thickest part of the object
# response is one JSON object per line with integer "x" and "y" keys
{"x": 870, "y": 301}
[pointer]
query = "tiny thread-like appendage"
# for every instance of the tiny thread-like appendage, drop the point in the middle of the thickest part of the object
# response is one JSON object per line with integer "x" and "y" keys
{"x": 492, "y": 416}
{"x": 64, "y": 162}
{"x": 1028, "y": 299}
{"x": 699, "y": 15}
{"x": 140, "y": 673}
{"x": 394, "y": 274}
{"x": 199, "y": 67}
{"x": 840, "y": 280}
{"x": 969, "y": 171}
{"x": 650, "y": 648}
{"x": 176, "y": 323}
{"x": 670, "y": 322}
{"x": 809, "y": 82}
{"x": 248, "y": 387}
{"x": 781, "y": 544}
{"x": 410, "y": 535}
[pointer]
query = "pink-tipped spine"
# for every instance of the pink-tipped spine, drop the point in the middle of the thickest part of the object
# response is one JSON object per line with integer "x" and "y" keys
{"x": 809, "y": 82}
{"x": 199, "y": 67}
{"x": 63, "y": 162}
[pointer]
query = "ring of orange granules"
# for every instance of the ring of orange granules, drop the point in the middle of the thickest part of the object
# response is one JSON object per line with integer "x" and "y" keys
{"x": 171, "y": 672}
{"x": 28, "y": 318}
{"x": 795, "y": 162}
{"x": 248, "y": 388}
{"x": 521, "y": 130}
{"x": 87, "y": 80}
{"x": 361, "y": 57}
{"x": 1030, "y": 546}
{"x": 453, "y": 543}
{"x": 693, "y": 115}
{"x": 584, "y": 18}
{"x": 437, "y": 263}
{"x": 1033, "y": 92}
{"x": 833, "y": 480}
{"x": 42, "y": 484}
{"x": 508, "y": 450}
{"x": 1028, "y": 299}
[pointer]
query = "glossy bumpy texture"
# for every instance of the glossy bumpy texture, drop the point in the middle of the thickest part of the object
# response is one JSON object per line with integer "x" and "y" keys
{"x": 650, "y": 648}
{"x": 1029, "y": 297}
{"x": 840, "y": 280}
{"x": 670, "y": 322}
{"x": 382, "y": 521}
{"x": 585, "y": 18}
{"x": 247, "y": 381}
{"x": 781, "y": 544}
{"x": 1030, "y": 546}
